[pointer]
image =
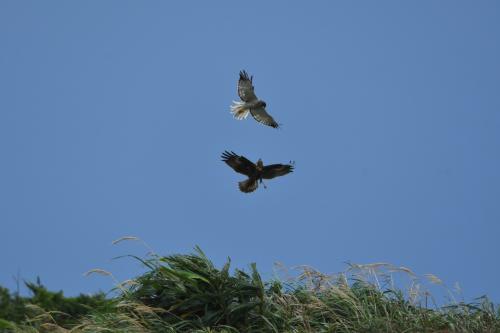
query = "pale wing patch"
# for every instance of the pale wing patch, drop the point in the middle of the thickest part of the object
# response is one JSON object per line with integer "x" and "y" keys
{"x": 245, "y": 88}
{"x": 263, "y": 117}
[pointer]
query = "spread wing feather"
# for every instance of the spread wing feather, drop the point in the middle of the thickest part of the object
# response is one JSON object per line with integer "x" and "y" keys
{"x": 239, "y": 163}
{"x": 245, "y": 88}
{"x": 276, "y": 170}
{"x": 263, "y": 117}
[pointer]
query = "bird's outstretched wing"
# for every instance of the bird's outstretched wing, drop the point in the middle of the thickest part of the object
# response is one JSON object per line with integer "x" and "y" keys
{"x": 239, "y": 163}
{"x": 263, "y": 117}
{"x": 276, "y": 170}
{"x": 245, "y": 87}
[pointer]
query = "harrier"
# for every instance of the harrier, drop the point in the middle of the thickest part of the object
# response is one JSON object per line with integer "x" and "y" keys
{"x": 254, "y": 172}
{"x": 250, "y": 103}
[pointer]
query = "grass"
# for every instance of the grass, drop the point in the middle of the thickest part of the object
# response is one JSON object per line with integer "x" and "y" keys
{"x": 187, "y": 293}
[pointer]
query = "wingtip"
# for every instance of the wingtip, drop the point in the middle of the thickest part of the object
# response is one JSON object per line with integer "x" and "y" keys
{"x": 227, "y": 155}
{"x": 244, "y": 75}
{"x": 224, "y": 156}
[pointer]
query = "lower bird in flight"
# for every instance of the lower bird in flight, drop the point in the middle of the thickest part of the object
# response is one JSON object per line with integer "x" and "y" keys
{"x": 254, "y": 172}
{"x": 250, "y": 103}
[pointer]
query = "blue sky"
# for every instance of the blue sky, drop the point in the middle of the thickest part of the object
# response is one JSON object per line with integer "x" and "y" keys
{"x": 113, "y": 116}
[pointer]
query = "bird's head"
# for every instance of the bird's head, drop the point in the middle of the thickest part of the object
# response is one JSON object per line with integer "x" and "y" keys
{"x": 261, "y": 104}
{"x": 260, "y": 165}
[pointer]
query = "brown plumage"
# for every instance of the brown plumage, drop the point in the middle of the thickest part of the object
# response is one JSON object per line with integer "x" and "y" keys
{"x": 255, "y": 172}
{"x": 250, "y": 103}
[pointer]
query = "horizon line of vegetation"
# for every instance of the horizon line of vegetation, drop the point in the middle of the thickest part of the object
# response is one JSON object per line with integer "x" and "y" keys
{"x": 187, "y": 293}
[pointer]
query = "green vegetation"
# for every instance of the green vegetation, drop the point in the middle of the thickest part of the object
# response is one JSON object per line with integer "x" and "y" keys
{"x": 187, "y": 293}
{"x": 44, "y": 304}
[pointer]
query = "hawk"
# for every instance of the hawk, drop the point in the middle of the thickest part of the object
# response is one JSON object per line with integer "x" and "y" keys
{"x": 254, "y": 172}
{"x": 250, "y": 103}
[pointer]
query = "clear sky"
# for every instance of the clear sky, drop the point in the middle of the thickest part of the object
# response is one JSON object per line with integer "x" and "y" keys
{"x": 113, "y": 116}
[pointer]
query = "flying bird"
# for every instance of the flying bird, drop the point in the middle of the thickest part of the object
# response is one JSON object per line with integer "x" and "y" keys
{"x": 250, "y": 103}
{"x": 254, "y": 172}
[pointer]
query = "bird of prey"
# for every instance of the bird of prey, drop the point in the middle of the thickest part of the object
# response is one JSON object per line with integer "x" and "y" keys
{"x": 250, "y": 103}
{"x": 254, "y": 172}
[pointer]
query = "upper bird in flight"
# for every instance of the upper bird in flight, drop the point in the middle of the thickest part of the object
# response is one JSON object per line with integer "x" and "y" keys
{"x": 250, "y": 103}
{"x": 255, "y": 172}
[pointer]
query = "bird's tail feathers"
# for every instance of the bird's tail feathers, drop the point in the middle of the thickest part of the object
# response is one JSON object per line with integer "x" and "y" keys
{"x": 248, "y": 185}
{"x": 239, "y": 111}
